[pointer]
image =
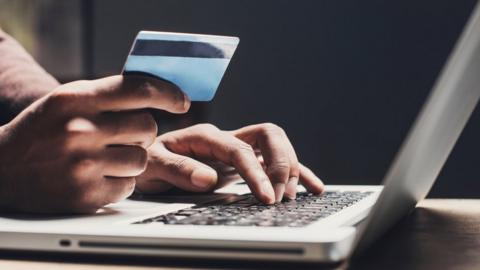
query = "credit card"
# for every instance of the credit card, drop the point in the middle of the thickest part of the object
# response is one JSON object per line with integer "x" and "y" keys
{"x": 195, "y": 63}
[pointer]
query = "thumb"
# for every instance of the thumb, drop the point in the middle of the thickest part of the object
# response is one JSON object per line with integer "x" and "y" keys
{"x": 166, "y": 167}
{"x": 116, "y": 93}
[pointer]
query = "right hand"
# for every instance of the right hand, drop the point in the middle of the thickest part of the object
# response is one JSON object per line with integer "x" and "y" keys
{"x": 81, "y": 146}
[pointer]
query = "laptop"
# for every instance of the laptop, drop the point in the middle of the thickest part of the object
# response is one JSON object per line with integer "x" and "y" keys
{"x": 232, "y": 224}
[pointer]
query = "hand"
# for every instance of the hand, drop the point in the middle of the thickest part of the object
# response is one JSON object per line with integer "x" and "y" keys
{"x": 80, "y": 147}
{"x": 261, "y": 154}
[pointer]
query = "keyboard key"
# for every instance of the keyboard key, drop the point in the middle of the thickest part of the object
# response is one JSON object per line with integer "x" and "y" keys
{"x": 248, "y": 211}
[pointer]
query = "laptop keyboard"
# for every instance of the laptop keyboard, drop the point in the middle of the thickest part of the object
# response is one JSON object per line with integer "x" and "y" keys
{"x": 248, "y": 211}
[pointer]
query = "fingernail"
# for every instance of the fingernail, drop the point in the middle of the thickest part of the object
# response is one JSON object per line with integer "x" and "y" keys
{"x": 279, "y": 189}
{"x": 203, "y": 177}
{"x": 186, "y": 102}
{"x": 268, "y": 190}
{"x": 322, "y": 185}
{"x": 291, "y": 189}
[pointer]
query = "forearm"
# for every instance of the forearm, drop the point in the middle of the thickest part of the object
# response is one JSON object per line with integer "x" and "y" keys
{"x": 22, "y": 80}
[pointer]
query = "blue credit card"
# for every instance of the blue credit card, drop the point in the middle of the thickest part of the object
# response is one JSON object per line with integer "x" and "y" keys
{"x": 195, "y": 63}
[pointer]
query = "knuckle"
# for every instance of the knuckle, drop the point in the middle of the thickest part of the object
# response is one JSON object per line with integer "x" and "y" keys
{"x": 58, "y": 100}
{"x": 62, "y": 98}
{"x": 69, "y": 90}
{"x": 206, "y": 128}
{"x": 270, "y": 128}
{"x": 145, "y": 88}
{"x": 80, "y": 166}
{"x": 79, "y": 126}
{"x": 177, "y": 164}
{"x": 241, "y": 149}
{"x": 279, "y": 170}
{"x": 295, "y": 170}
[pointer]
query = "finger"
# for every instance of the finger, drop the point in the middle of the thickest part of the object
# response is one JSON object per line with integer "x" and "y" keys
{"x": 115, "y": 189}
{"x": 96, "y": 192}
{"x": 119, "y": 92}
{"x": 177, "y": 170}
{"x": 226, "y": 174}
{"x": 278, "y": 154}
{"x": 210, "y": 143}
{"x": 291, "y": 189}
{"x": 126, "y": 127}
{"x": 81, "y": 133}
{"x": 310, "y": 181}
{"x": 261, "y": 160}
{"x": 122, "y": 161}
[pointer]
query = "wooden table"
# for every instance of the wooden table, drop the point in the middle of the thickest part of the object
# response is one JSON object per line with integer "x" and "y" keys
{"x": 439, "y": 234}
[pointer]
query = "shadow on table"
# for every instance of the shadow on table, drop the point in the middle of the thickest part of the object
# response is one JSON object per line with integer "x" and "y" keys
{"x": 427, "y": 239}
{"x": 105, "y": 211}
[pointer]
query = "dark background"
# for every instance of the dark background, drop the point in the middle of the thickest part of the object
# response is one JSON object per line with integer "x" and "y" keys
{"x": 344, "y": 78}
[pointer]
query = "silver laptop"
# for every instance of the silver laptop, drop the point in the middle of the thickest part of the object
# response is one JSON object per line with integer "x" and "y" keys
{"x": 232, "y": 224}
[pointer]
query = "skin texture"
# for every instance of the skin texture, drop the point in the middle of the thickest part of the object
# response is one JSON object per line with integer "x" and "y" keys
{"x": 77, "y": 147}
{"x": 89, "y": 143}
{"x": 261, "y": 154}
{"x": 22, "y": 80}
{"x": 81, "y": 146}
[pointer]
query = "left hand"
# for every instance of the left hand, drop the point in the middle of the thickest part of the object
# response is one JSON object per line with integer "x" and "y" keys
{"x": 261, "y": 154}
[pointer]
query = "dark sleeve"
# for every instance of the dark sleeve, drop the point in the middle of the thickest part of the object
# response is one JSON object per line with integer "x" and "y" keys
{"x": 22, "y": 80}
